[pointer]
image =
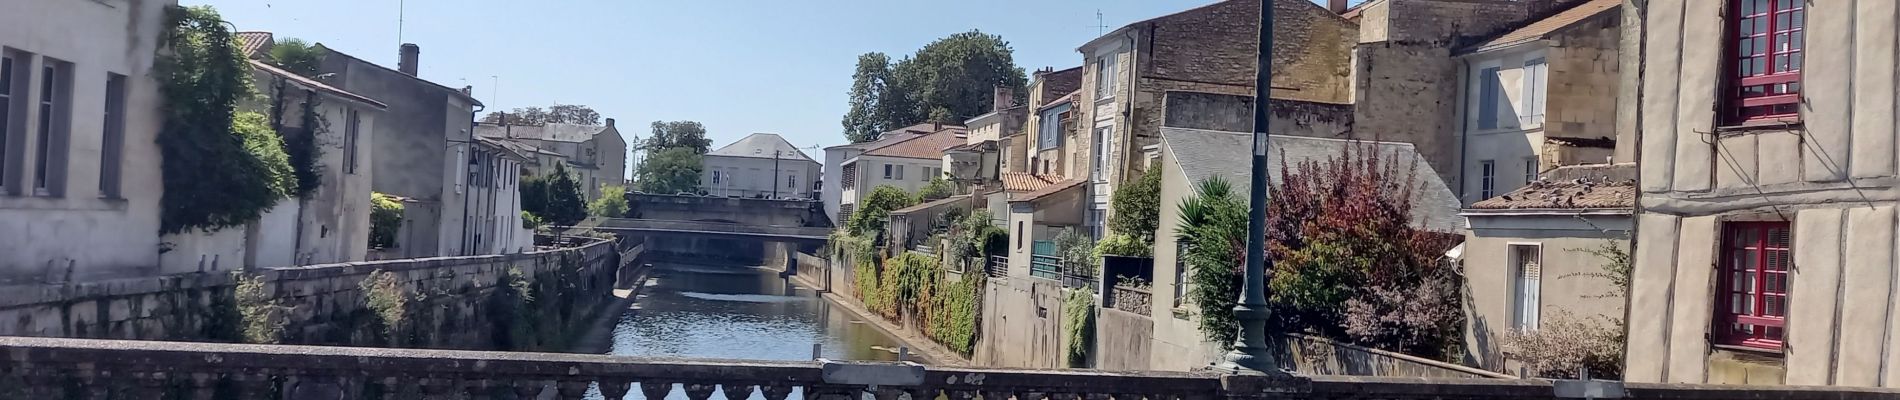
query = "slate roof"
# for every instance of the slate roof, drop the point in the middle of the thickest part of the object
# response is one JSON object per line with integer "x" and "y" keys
{"x": 551, "y": 132}
{"x": 931, "y": 204}
{"x": 452, "y": 91}
{"x": 761, "y": 145}
{"x": 1203, "y": 154}
{"x": 1026, "y": 182}
{"x": 929, "y": 146}
{"x": 895, "y": 135}
{"x": 254, "y": 43}
{"x": 300, "y": 80}
{"x": 1545, "y": 27}
{"x": 1577, "y": 187}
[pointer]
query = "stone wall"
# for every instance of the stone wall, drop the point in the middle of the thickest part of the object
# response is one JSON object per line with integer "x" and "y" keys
{"x": 514, "y": 301}
{"x": 1124, "y": 341}
{"x": 1321, "y": 356}
{"x": 1022, "y": 324}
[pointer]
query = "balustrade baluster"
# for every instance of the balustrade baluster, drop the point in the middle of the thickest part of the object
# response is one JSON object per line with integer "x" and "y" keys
{"x": 615, "y": 389}
{"x": 777, "y": 391}
{"x": 482, "y": 389}
{"x": 151, "y": 385}
{"x": 255, "y": 384}
{"x": 1137, "y": 396}
{"x": 699, "y": 391}
{"x": 439, "y": 388}
{"x": 737, "y": 391}
{"x": 833, "y": 392}
{"x": 528, "y": 389}
{"x": 960, "y": 394}
{"x": 571, "y": 389}
{"x": 1063, "y": 396}
{"x": 655, "y": 390}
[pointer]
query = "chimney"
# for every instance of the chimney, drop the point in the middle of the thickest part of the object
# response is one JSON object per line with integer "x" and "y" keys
{"x": 410, "y": 54}
{"x": 1336, "y": 6}
{"x": 610, "y": 122}
{"x": 1003, "y": 98}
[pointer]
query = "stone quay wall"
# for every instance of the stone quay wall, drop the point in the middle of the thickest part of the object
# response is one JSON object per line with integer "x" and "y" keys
{"x": 525, "y": 301}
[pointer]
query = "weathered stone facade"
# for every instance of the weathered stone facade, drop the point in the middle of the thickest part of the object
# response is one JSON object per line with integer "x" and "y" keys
{"x": 475, "y": 302}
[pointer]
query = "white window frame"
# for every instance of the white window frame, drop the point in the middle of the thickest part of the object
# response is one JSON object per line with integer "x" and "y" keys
{"x": 900, "y": 173}
{"x": 14, "y": 66}
{"x": 1106, "y": 69}
{"x": 54, "y": 131}
{"x": 1531, "y": 169}
{"x": 1099, "y": 159}
{"x": 1487, "y": 179}
{"x": 887, "y": 170}
{"x": 1526, "y": 292}
{"x": 112, "y": 137}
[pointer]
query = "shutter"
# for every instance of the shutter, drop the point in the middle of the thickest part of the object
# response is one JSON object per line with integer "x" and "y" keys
{"x": 1488, "y": 88}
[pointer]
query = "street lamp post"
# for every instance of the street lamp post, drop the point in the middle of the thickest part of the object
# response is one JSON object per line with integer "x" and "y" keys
{"x": 1250, "y": 354}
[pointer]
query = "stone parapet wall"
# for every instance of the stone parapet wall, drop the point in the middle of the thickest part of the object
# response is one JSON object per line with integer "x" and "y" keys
{"x": 472, "y": 302}
{"x": 44, "y": 368}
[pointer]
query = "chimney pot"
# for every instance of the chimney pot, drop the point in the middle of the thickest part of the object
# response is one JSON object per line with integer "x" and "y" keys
{"x": 410, "y": 54}
{"x": 610, "y": 122}
{"x": 1336, "y": 6}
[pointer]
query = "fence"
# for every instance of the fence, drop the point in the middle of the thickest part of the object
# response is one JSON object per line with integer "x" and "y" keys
{"x": 997, "y": 267}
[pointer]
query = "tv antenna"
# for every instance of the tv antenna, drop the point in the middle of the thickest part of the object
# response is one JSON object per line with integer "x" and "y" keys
{"x": 1100, "y": 26}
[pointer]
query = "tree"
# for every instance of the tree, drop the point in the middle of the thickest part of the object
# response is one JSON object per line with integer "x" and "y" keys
{"x": 670, "y": 170}
{"x": 678, "y": 134}
{"x": 1138, "y": 207}
{"x": 537, "y": 116}
{"x": 385, "y": 220}
{"x": 297, "y": 56}
{"x": 876, "y": 102}
{"x": 1213, "y": 232}
{"x": 875, "y": 210}
{"x": 937, "y": 189}
{"x": 949, "y": 80}
{"x": 534, "y": 195}
{"x": 611, "y": 204}
{"x": 564, "y": 205}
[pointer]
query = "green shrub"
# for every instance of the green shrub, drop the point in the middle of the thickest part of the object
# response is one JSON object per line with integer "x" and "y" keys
{"x": 1117, "y": 244}
{"x": 221, "y": 168}
{"x": 611, "y": 204}
{"x": 955, "y": 311}
{"x": 384, "y": 297}
{"x": 531, "y": 221}
{"x": 1078, "y": 319}
{"x": 263, "y": 318}
{"x": 937, "y": 189}
{"x": 1138, "y": 207}
{"x": 385, "y": 220}
{"x": 875, "y": 210}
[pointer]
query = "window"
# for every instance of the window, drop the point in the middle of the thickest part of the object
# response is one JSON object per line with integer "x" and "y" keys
{"x": 6, "y": 122}
{"x": 1753, "y": 284}
{"x": 887, "y": 171}
{"x": 1530, "y": 169}
{"x": 1180, "y": 273}
{"x": 1487, "y": 179}
{"x": 1532, "y": 104}
{"x": 1097, "y": 219}
{"x": 55, "y": 108}
{"x": 900, "y": 173}
{"x": 791, "y": 181}
{"x": 1019, "y": 235}
{"x": 1489, "y": 89}
{"x": 351, "y": 133}
{"x": 1105, "y": 77}
{"x": 112, "y": 137}
{"x": 1767, "y": 49}
{"x": 1049, "y": 129}
{"x": 1101, "y": 153}
{"x": 715, "y": 177}
{"x": 1527, "y": 271}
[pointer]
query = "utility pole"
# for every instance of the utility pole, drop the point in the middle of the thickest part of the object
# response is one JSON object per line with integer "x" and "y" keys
{"x": 1250, "y": 354}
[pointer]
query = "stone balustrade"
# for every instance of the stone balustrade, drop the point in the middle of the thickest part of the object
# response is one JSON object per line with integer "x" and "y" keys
{"x": 49, "y": 368}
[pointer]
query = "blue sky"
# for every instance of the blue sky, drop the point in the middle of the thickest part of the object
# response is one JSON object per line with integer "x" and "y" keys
{"x": 738, "y": 67}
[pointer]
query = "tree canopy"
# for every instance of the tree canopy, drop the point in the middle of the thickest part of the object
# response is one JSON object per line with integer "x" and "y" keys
{"x": 678, "y": 134}
{"x": 611, "y": 204}
{"x": 949, "y": 80}
{"x": 537, "y": 116}
{"x": 1138, "y": 207}
{"x": 297, "y": 56}
{"x": 937, "y": 189}
{"x": 875, "y": 210}
{"x": 555, "y": 198}
{"x": 670, "y": 170}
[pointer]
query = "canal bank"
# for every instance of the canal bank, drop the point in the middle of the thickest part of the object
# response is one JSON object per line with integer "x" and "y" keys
{"x": 682, "y": 309}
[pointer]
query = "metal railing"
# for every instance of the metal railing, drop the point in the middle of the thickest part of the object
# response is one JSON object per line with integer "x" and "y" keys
{"x": 48, "y": 368}
{"x": 997, "y": 267}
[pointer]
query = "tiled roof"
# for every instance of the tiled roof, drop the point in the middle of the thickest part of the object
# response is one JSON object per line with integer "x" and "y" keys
{"x": 895, "y": 135}
{"x": 931, "y": 204}
{"x": 927, "y": 146}
{"x": 1541, "y": 28}
{"x": 1202, "y": 154}
{"x": 1065, "y": 99}
{"x": 254, "y": 43}
{"x": 300, "y": 80}
{"x": 451, "y": 91}
{"x": 1051, "y": 190}
{"x": 1580, "y": 187}
{"x": 1026, "y": 182}
{"x": 761, "y": 145}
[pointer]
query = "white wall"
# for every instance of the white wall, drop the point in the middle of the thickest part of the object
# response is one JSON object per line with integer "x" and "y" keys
{"x": 96, "y": 236}
{"x": 871, "y": 173}
{"x": 1512, "y": 142}
{"x": 832, "y": 193}
{"x": 753, "y": 176}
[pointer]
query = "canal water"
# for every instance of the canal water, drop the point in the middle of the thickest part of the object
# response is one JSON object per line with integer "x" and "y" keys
{"x": 740, "y": 312}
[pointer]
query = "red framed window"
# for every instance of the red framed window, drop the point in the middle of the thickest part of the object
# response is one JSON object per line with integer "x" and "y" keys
{"x": 1753, "y": 302}
{"x": 1766, "y": 48}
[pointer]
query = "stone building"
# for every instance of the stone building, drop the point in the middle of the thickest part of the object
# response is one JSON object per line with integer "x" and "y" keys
{"x": 331, "y": 224}
{"x": 595, "y": 154}
{"x": 1213, "y": 49}
{"x": 423, "y": 146}
{"x": 79, "y": 111}
{"x": 1538, "y": 97}
{"x": 1764, "y": 249}
{"x": 905, "y": 158}
{"x": 494, "y": 199}
{"x": 832, "y": 185}
{"x": 759, "y": 165}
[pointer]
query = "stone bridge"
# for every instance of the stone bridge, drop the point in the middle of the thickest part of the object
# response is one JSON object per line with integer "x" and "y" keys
{"x": 49, "y": 368}
{"x": 757, "y": 212}
{"x": 723, "y": 230}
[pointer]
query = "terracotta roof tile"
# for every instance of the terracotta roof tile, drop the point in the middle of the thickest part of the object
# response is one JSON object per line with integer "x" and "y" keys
{"x": 1544, "y": 27}
{"x": 315, "y": 85}
{"x": 1580, "y": 187}
{"x": 254, "y": 43}
{"x": 1026, "y": 182}
{"x": 929, "y": 146}
{"x": 1051, "y": 190}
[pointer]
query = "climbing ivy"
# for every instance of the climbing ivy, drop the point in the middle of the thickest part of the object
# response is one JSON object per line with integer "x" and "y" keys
{"x": 300, "y": 142}
{"x": 1078, "y": 320}
{"x": 221, "y": 167}
{"x": 955, "y": 310}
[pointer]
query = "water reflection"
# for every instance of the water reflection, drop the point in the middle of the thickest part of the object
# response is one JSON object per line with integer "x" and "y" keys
{"x": 736, "y": 312}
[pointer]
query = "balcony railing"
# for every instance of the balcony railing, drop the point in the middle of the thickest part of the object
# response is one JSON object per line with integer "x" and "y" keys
{"x": 997, "y": 267}
{"x": 46, "y": 368}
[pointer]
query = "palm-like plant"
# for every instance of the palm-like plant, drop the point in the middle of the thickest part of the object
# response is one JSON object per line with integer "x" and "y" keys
{"x": 1213, "y": 233}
